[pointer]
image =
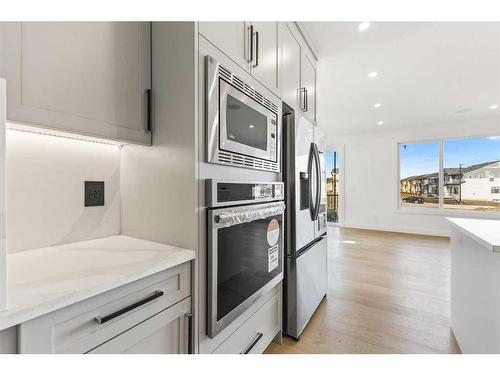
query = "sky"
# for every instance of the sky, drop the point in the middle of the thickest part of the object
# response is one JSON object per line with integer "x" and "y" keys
{"x": 422, "y": 158}
{"x": 329, "y": 163}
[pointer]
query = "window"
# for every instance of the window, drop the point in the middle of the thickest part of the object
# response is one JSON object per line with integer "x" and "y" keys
{"x": 332, "y": 186}
{"x": 419, "y": 175}
{"x": 467, "y": 179}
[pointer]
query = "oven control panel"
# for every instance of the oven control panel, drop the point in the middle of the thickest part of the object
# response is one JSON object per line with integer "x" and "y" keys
{"x": 230, "y": 193}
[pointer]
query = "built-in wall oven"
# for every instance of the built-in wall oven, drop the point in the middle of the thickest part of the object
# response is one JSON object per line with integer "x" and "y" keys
{"x": 245, "y": 246}
{"x": 243, "y": 125}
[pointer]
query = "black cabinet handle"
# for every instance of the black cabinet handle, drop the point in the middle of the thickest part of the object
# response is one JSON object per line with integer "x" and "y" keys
{"x": 256, "y": 49}
{"x": 254, "y": 342}
{"x": 251, "y": 43}
{"x": 189, "y": 316}
{"x": 103, "y": 319}
{"x": 149, "y": 108}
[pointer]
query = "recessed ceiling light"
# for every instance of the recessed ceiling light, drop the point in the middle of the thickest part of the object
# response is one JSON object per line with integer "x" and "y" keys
{"x": 380, "y": 123}
{"x": 494, "y": 106}
{"x": 364, "y": 26}
{"x": 372, "y": 75}
{"x": 251, "y": 126}
{"x": 377, "y": 105}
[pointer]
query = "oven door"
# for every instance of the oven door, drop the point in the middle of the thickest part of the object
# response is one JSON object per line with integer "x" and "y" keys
{"x": 245, "y": 259}
{"x": 246, "y": 127}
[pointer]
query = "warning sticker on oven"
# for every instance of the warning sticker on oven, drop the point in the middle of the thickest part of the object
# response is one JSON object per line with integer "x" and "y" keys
{"x": 272, "y": 257}
{"x": 273, "y": 232}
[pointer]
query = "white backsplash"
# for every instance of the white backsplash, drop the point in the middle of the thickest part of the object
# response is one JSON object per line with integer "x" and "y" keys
{"x": 45, "y": 190}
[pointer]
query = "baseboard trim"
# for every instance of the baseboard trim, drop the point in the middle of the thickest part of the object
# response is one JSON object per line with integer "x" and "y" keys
{"x": 383, "y": 228}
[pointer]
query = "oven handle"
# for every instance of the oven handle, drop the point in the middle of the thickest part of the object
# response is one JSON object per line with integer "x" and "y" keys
{"x": 230, "y": 217}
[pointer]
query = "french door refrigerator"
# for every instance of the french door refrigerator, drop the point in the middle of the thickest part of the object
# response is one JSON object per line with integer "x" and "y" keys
{"x": 305, "y": 224}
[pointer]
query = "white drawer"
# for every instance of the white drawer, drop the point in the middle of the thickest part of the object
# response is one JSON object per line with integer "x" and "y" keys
{"x": 74, "y": 329}
{"x": 165, "y": 333}
{"x": 257, "y": 332}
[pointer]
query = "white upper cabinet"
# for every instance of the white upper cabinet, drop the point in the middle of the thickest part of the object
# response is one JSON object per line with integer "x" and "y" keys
{"x": 289, "y": 67}
{"x": 308, "y": 87}
{"x": 252, "y": 45}
{"x": 230, "y": 37}
{"x": 89, "y": 78}
{"x": 297, "y": 72}
{"x": 264, "y": 57}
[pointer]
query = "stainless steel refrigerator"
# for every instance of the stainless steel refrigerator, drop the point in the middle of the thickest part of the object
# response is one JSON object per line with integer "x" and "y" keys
{"x": 306, "y": 279}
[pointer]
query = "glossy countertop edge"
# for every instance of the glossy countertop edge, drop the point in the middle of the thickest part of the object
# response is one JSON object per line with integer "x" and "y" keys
{"x": 13, "y": 316}
{"x": 459, "y": 224}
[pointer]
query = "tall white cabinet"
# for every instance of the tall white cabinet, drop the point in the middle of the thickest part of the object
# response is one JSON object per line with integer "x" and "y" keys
{"x": 88, "y": 78}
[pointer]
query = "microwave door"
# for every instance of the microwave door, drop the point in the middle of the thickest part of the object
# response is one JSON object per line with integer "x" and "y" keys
{"x": 304, "y": 202}
{"x": 246, "y": 127}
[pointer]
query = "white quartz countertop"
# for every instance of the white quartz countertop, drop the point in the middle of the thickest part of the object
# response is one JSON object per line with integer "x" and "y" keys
{"x": 47, "y": 279}
{"x": 486, "y": 232}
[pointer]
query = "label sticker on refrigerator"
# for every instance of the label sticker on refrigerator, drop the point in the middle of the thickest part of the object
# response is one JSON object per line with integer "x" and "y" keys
{"x": 272, "y": 257}
{"x": 273, "y": 232}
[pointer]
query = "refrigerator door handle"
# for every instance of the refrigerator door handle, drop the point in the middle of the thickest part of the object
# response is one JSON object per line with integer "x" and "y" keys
{"x": 318, "y": 182}
{"x": 312, "y": 156}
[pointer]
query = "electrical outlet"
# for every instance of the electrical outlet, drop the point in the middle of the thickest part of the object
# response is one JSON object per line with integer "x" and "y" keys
{"x": 94, "y": 193}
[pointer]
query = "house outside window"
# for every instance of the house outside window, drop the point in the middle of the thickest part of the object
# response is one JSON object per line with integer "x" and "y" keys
{"x": 456, "y": 174}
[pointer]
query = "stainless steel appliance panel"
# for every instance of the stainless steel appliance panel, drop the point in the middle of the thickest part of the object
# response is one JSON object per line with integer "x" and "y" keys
{"x": 219, "y": 193}
{"x": 305, "y": 183}
{"x": 307, "y": 285}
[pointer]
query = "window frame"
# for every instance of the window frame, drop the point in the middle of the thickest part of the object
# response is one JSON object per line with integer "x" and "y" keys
{"x": 440, "y": 210}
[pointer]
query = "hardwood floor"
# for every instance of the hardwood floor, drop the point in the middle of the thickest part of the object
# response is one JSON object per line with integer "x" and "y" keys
{"x": 388, "y": 293}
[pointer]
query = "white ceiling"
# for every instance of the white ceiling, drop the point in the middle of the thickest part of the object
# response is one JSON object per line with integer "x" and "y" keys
{"x": 426, "y": 73}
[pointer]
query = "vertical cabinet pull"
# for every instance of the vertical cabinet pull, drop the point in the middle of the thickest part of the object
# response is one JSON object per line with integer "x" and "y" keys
{"x": 302, "y": 98}
{"x": 149, "y": 108}
{"x": 256, "y": 49}
{"x": 250, "y": 29}
{"x": 189, "y": 317}
{"x": 306, "y": 100}
{"x": 254, "y": 342}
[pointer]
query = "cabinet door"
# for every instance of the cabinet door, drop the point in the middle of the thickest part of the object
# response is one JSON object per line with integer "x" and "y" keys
{"x": 164, "y": 333}
{"x": 230, "y": 37}
{"x": 289, "y": 68}
{"x": 308, "y": 81}
{"x": 87, "y": 78}
{"x": 265, "y": 57}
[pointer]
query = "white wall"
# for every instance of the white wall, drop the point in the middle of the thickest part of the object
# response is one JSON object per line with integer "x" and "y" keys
{"x": 45, "y": 190}
{"x": 371, "y": 175}
{"x": 159, "y": 183}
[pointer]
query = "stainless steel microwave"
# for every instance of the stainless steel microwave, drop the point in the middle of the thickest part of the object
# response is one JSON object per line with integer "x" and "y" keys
{"x": 243, "y": 126}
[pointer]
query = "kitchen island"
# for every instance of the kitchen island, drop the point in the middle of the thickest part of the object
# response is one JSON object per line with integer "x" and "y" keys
{"x": 475, "y": 284}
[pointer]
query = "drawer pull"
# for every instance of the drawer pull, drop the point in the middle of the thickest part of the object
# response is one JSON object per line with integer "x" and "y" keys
{"x": 189, "y": 316}
{"x": 103, "y": 319}
{"x": 254, "y": 342}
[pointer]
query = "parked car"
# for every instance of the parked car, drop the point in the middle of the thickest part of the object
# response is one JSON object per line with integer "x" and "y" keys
{"x": 418, "y": 200}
